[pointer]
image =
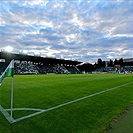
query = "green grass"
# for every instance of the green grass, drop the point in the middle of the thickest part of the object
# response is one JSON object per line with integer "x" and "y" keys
{"x": 91, "y": 115}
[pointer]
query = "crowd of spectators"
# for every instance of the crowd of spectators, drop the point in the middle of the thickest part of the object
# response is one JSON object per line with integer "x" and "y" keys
{"x": 25, "y": 68}
{"x": 30, "y": 68}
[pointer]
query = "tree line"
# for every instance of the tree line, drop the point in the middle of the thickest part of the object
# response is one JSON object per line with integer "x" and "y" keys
{"x": 87, "y": 67}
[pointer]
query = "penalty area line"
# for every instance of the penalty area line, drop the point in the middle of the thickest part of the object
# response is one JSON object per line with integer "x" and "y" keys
{"x": 67, "y": 103}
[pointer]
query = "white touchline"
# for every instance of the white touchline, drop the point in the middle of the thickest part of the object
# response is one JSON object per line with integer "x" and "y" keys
{"x": 67, "y": 103}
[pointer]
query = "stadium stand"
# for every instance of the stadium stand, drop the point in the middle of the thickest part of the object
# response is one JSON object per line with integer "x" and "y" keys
{"x": 3, "y": 66}
{"x": 128, "y": 69}
{"x": 25, "y": 64}
{"x": 29, "y": 68}
{"x": 25, "y": 68}
{"x": 73, "y": 69}
{"x": 106, "y": 69}
{"x": 121, "y": 70}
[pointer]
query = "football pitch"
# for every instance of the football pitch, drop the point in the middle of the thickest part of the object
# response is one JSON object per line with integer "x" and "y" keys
{"x": 54, "y": 103}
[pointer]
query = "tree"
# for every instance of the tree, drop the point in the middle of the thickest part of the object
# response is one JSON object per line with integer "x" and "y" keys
{"x": 115, "y": 62}
{"x": 120, "y": 62}
{"x": 103, "y": 64}
{"x": 99, "y": 63}
{"x": 87, "y": 67}
{"x": 110, "y": 63}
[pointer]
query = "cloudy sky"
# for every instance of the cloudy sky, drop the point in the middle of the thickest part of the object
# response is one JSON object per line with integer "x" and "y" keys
{"x": 82, "y": 30}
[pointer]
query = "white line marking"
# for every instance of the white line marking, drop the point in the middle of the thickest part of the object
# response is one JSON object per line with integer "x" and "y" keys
{"x": 33, "y": 109}
{"x": 6, "y": 114}
{"x": 67, "y": 103}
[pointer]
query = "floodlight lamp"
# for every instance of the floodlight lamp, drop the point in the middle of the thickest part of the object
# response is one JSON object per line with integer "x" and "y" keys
{"x": 25, "y": 51}
{"x": 36, "y": 53}
{"x": 8, "y": 49}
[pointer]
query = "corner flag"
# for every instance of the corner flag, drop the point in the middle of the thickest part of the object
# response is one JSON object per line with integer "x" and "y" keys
{"x": 9, "y": 71}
